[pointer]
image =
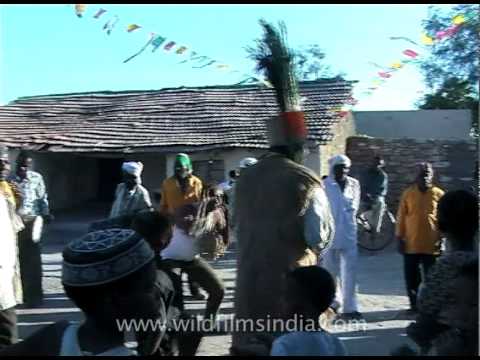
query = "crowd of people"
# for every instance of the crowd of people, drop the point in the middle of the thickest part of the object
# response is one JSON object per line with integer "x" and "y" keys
{"x": 296, "y": 252}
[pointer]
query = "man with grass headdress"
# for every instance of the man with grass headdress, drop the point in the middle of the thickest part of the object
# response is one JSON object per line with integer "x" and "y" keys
{"x": 283, "y": 216}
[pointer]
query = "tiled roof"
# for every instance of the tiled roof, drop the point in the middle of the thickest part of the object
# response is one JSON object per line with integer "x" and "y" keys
{"x": 162, "y": 120}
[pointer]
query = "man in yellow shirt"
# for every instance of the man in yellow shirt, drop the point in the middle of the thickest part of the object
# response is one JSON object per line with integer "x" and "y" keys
{"x": 417, "y": 234}
{"x": 183, "y": 188}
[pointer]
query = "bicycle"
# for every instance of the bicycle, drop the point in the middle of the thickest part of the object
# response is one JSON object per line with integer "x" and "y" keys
{"x": 383, "y": 239}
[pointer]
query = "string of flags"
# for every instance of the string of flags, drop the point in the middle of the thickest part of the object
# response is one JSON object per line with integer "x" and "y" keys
{"x": 156, "y": 41}
{"x": 198, "y": 61}
{"x": 412, "y": 56}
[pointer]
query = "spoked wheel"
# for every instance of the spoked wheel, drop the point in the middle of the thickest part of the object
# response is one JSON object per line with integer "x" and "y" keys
{"x": 382, "y": 240}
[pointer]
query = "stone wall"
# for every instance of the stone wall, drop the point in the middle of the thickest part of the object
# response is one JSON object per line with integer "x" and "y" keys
{"x": 453, "y": 161}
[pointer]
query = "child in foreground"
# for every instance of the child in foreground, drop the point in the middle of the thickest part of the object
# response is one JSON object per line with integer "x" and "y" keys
{"x": 310, "y": 291}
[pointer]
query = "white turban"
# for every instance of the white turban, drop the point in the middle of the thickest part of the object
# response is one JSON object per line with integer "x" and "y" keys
{"x": 246, "y": 162}
{"x": 133, "y": 168}
{"x": 340, "y": 160}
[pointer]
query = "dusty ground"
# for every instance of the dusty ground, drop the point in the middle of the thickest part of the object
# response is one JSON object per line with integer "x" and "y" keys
{"x": 381, "y": 295}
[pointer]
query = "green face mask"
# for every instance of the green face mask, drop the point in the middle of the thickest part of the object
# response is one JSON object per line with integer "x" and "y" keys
{"x": 183, "y": 161}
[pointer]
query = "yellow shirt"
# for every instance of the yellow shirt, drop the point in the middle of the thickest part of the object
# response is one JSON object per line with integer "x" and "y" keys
{"x": 173, "y": 197}
{"x": 417, "y": 220}
{"x": 6, "y": 189}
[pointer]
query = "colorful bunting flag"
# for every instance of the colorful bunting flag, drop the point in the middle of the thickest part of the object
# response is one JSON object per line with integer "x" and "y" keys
{"x": 458, "y": 20}
{"x": 410, "y": 53}
{"x": 222, "y": 66}
{"x": 109, "y": 25}
{"x": 427, "y": 40}
{"x": 169, "y": 46}
{"x": 133, "y": 27}
{"x": 80, "y": 9}
{"x": 181, "y": 50}
{"x": 396, "y": 65}
{"x": 384, "y": 74}
{"x": 440, "y": 35}
{"x": 157, "y": 41}
{"x": 99, "y": 13}
{"x": 452, "y": 30}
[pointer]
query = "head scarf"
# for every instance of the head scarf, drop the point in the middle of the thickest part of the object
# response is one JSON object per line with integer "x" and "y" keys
{"x": 104, "y": 256}
{"x": 133, "y": 168}
{"x": 184, "y": 160}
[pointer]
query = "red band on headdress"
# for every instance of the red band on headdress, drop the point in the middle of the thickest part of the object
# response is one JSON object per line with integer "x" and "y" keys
{"x": 294, "y": 124}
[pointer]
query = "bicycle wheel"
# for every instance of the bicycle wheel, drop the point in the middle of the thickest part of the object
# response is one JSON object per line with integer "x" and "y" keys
{"x": 382, "y": 240}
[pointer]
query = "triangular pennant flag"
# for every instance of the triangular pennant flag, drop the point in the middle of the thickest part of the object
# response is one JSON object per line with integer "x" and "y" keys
{"x": 109, "y": 25}
{"x": 99, "y": 13}
{"x": 181, "y": 50}
{"x": 427, "y": 40}
{"x": 133, "y": 27}
{"x": 410, "y": 53}
{"x": 452, "y": 30}
{"x": 169, "y": 46}
{"x": 384, "y": 74}
{"x": 80, "y": 9}
{"x": 458, "y": 20}
{"x": 396, "y": 65}
{"x": 157, "y": 42}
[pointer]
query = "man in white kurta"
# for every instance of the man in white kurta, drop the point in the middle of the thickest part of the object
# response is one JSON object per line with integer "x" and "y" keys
{"x": 343, "y": 193}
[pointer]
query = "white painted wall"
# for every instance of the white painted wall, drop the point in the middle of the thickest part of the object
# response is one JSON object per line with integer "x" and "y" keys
{"x": 415, "y": 124}
{"x": 232, "y": 158}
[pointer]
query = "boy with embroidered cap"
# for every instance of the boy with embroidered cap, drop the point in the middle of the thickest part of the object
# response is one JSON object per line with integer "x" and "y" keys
{"x": 110, "y": 276}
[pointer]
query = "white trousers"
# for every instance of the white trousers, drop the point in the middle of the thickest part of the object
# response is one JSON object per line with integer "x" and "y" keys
{"x": 342, "y": 264}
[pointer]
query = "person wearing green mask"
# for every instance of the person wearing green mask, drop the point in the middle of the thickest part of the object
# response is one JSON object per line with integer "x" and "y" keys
{"x": 182, "y": 188}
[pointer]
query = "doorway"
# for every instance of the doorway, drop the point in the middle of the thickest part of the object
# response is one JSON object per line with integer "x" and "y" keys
{"x": 110, "y": 175}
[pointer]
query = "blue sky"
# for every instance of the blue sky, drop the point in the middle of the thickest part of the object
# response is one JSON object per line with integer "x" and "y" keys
{"x": 46, "y": 49}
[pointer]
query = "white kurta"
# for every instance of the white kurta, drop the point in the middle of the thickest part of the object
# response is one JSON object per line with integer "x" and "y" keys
{"x": 341, "y": 259}
{"x": 128, "y": 202}
{"x": 8, "y": 258}
{"x": 319, "y": 226}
